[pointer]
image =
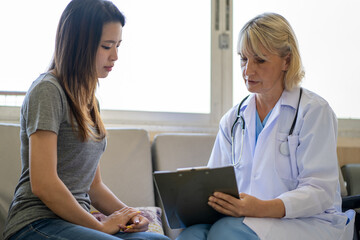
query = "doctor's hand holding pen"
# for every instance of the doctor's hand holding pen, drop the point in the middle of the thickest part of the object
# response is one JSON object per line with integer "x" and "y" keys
{"x": 246, "y": 206}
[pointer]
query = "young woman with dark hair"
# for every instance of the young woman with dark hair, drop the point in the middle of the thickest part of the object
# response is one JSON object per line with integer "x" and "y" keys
{"x": 63, "y": 137}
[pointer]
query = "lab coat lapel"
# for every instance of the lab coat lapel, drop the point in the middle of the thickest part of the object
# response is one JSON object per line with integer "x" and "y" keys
{"x": 249, "y": 116}
{"x": 286, "y": 99}
{"x": 273, "y": 116}
{"x": 263, "y": 141}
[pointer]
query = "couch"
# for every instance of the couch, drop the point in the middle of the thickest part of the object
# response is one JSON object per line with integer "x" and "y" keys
{"x": 171, "y": 151}
{"x": 10, "y": 167}
{"x": 126, "y": 166}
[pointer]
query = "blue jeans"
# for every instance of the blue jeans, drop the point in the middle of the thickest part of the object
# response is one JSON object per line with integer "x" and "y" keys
{"x": 56, "y": 229}
{"x": 227, "y": 228}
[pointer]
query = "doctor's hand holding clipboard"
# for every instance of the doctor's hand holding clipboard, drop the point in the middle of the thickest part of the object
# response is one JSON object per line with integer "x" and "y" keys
{"x": 247, "y": 205}
{"x": 281, "y": 140}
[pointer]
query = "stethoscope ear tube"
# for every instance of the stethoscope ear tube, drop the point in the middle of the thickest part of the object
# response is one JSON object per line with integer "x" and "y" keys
{"x": 284, "y": 147}
{"x": 237, "y": 118}
{"x": 296, "y": 114}
{"x": 235, "y": 164}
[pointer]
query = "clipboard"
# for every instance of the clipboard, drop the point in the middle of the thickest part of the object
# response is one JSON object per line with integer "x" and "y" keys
{"x": 184, "y": 193}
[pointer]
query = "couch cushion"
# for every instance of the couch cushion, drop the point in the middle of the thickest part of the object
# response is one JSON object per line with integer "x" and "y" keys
{"x": 179, "y": 150}
{"x": 10, "y": 167}
{"x": 351, "y": 174}
{"x": 126, "y": 166}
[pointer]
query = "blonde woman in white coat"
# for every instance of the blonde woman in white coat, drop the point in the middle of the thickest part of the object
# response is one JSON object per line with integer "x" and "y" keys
{"x": 287, "y": 179}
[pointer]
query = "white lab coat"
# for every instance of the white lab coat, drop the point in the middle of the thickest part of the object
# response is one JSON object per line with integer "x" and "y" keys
{"x": 306, "y": 180}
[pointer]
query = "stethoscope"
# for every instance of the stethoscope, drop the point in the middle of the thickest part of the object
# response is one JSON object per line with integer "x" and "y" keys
{"x": 284, "y": 148}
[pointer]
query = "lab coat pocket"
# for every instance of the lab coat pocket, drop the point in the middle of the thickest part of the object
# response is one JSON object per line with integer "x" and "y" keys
{"x": 285, "y": 161}
{"x": 293, "y": 144}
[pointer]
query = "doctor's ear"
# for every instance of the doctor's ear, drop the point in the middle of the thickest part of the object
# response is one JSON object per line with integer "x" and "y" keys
{"x": 286, "y": 62}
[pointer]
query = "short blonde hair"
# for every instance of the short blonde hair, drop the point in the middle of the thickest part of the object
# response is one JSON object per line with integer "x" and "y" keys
{"x": 272, "y": 32}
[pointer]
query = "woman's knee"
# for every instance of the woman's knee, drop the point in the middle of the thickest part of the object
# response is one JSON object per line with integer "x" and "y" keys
{"x": 141, "y": 236}
{"x": 231, "y": 228}
{"x": 198, "y": 232}
{"x": 155, "y": 236}
{"x": 221, "y": 227}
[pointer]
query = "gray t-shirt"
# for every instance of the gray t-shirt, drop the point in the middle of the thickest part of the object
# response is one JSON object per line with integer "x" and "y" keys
{"x": 45, "y": 107}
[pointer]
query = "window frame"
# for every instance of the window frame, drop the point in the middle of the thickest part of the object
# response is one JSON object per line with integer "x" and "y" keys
{"x": 221, "y": 86}
{"x": 220, "y": 96}
{"x": 221, "y": 91}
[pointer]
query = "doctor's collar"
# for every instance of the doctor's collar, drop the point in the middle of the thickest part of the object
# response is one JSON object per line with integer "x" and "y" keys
{"x": 289, "y": 99}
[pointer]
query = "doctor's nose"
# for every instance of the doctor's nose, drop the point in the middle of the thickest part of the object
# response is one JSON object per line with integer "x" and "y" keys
{"x": 249, "y": 69}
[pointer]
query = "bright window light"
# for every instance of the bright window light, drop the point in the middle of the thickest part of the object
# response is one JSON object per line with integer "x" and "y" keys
{"x": 329, "y": 46}
{"x": 27, "y": 40}
{"x": 164, "y": 58}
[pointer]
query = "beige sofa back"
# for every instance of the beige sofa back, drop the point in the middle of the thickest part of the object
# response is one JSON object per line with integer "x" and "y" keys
{"x": 126, "y": 166}
{"x": 179, "y": 150}
{"x": 171, "y": 151}
{"x": 10, "y": 167}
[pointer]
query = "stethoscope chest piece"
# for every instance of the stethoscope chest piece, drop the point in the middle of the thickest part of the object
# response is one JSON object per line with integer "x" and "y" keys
{"x": 284, "y": 148}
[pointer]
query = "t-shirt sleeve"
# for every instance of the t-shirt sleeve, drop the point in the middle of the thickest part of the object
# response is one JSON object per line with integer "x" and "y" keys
{"x": 45, "y": 108}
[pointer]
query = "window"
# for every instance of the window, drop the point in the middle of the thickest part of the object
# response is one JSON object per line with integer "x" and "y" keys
{"x": 329, "y": 46}
{"x": 164, "y": 59}
{"x": 28, "y": 43}
{"x": 178, "y": 65}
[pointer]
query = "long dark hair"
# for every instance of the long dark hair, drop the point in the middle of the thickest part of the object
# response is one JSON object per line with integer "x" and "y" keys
{"x": 74, "y": 63}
